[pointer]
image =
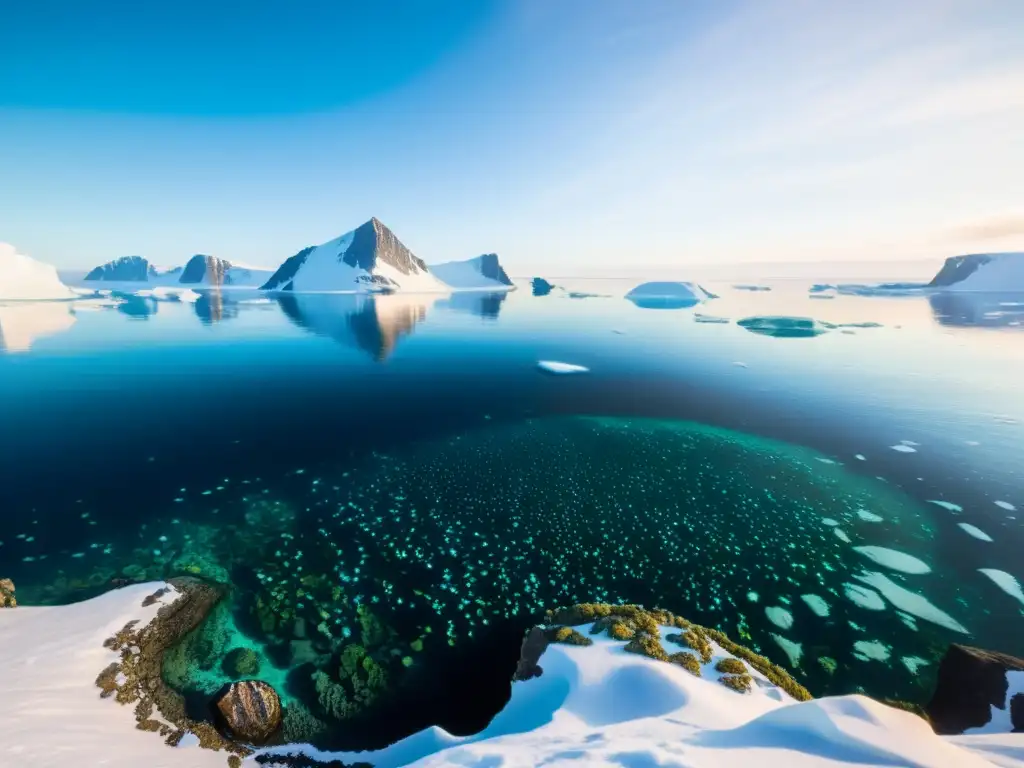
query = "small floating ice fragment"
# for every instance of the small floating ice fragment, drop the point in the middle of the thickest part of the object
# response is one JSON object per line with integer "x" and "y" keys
{"x": 698, "y": 317}
{"x": 793, "y": 650}
{"x": 891, "y": 558}
{"x": 780, "y": 617}
{"x": 946, "y": 505}
{"x": 903, "y": 448}
{"x": 823, "y": 460}
{"x": 740, "y": 365}
{"x": 911, "y": 602}
{"x": 752, "y": 597}
{"x": 1006, "y": 505}
{"x": 914, "y": 663}
{"x": 555, "y": 367}
{"x": 816, "y": 604}
{"x": 869, "y": 517}
{"x": 865, "y": 650}
{"x": 977, "y": 533}
{"x": 839, "y": 532}
{"x": 831, "y": 523}
{"x": 860, "y": 457}
{"x": 972, "y": 442}
{"x": 864, "y": 597}
{"x": 1005, "y": 582}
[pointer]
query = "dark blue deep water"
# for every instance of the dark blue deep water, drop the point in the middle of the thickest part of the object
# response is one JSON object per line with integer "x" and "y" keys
{"x": 395, "y": 475}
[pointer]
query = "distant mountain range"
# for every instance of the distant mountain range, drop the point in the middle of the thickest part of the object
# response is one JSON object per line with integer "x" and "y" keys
{"x": 982, "y": 272}
{"x": 368, "y": 259}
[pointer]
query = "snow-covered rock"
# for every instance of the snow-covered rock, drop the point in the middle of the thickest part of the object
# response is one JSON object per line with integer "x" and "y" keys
{"x": 24, "y": 279}
{"x": 213, "y": 272}
{"x": 369, "y": 259}
{"x": 127, "y": 269}
{"x": 588, "y": 701}
{"x": 482, "y": 273}
{"x": 982, "y": 272}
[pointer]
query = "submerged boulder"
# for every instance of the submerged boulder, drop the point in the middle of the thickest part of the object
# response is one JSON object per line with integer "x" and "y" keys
{"x": 971, "y": 683}
{"x": 251, "y": 710}
{"x": 241, "y": 662}
{"x": 7, "y": 594}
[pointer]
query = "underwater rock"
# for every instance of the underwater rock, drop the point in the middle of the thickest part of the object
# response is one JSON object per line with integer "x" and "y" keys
{"x": 241, "y": 662}
{"x": 251, "y": 710}
{"x": 7, "y": 594}
{"x": 534, "y": 645}
{"x": 971, "y": 681}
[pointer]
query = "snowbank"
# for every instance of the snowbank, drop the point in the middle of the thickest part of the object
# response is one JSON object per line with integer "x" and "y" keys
{"x": 603, "y": 706}
{"x": 25, "y": 279}
{"x": 51, "y": 713}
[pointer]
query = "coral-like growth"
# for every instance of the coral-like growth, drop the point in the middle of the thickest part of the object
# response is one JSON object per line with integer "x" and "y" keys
{"x": 731, "y": 667}
{"x": 241, "y": 662}
{"x": 7, "y": 594}
{"x": 687, "y": 661}
{"x": 620, "y": 630}
{"x": 647, "y": 645}
{"x": 696, "y": 639}
{"x": 775, "y": 674}
{"x": 738, "y": 683}
{"x": 568, "y": 636}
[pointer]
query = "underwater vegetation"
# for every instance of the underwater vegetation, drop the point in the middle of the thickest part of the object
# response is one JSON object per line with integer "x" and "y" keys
{"x": 351, "y": 581}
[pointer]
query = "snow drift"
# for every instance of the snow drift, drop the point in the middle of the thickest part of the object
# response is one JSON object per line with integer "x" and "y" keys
{"x": 24, "y": 279}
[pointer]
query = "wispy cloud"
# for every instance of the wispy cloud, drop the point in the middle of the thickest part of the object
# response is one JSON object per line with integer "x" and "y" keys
{"x": 991, "y": 228}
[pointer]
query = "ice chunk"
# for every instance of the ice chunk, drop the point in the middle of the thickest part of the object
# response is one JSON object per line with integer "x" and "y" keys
{"x": 793, "y": 650}
{"x": 914, "y": 663}
{"x": 1005, "y": 582}
{"x": 555, "y": 367}
{"x": 841, "y": 534}
{"x": 869, "y": 517}
{"x": 946, "y": 505}
{"x": 903, "y": 448}
{"x": 891, "y": 558}
{"x": 1006, "y": 505}
{"x": 783, "y": 327}
{"x": 863, "y": 597}
{"x": 816, "y": 604}
{"x": 780, "y": 617}
{"x": 911, "y": 602}
{"x": 865, "y": 650}
{"x": 975, "y": 532}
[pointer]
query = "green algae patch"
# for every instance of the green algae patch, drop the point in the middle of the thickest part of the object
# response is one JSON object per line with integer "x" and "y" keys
{"x": 731, "y": 667}
{"x": 687, "y": 661}
{"x": 568, "y": 636}
{"x": 738, "y": 683}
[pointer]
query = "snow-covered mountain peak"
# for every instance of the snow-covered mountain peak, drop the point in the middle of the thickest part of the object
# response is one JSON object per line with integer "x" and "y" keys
{"x": 370, "y": 258}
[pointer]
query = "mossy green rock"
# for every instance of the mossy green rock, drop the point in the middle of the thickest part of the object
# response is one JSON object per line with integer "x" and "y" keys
{"x": 241, "y": 662}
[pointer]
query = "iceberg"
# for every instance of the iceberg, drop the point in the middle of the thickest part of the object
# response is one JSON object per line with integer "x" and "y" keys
{"x": 24, "y": 279}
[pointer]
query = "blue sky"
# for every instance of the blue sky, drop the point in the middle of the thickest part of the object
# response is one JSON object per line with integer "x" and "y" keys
{"x": 572, "y": 137}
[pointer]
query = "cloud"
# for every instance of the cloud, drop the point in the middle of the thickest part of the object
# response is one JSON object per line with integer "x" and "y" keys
{"x": 991, "y": 228}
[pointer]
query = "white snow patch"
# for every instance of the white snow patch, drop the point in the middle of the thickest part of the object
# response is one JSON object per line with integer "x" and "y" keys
{"x": 975, "y": 532}
{"x": 817, "y": 604}
{"x": 553, "y": 366}
{"x": 893, "y": 559}
{"x": 780, "y": 617}
{"x": 1005, "y": 582}
{"x": 911, "y": 602}
{"x": 50, "y": 707}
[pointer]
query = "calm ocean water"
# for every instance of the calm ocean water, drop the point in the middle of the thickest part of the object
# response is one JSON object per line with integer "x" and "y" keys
{"x": 396, "y": 471}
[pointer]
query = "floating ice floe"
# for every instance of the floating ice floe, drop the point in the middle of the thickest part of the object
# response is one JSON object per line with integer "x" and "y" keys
{"x": 869, "y": 517}
{"x": 783, "y": 327}
{"x": 864, "y": 597}
{"x": 752, "y": 597}
{"x": 903, "y": 448}
{"x": 946, "y": 505}
{"x": 794, "y": 651}
{"x": 780, "y": 617}
{"x": 977, "y": 533}
{"x": 1005, "y": 582}
{"x": 1006, "y": 505}
{"x": 823, "y": 460}
{"x": 893, "y": 559}
{"x": 817, "y": 605}
{"x": 908, "y": 620}
{"x": 553, "y": 366}
{"x": 914, "y": 663}
{"x": 866, "y": 650}
{"x": 740, "y": 365}
{"x": 860, "y": 457}
{"x": 830, "y": 522}
{"x": 841, "y": 534}
{"x": 698, "y": 317}
{"x": 911, "y": 602}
